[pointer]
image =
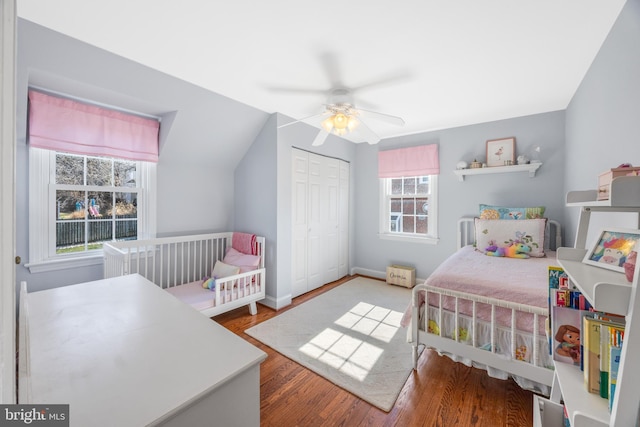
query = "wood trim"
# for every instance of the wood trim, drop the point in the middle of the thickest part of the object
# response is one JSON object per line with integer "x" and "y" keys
{"x": 7, "y": 200}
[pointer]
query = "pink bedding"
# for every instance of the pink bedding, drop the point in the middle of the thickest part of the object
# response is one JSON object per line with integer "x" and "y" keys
{"x": 194, "y": 294}
{"x": 522, "y": 281}
{"x": 199, "y": 298}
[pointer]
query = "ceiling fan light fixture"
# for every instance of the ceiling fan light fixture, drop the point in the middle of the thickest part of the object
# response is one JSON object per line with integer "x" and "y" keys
{"x": 353, "y": 123}
{"x": 340, "y": 122}
{"x": 327, "y": 124}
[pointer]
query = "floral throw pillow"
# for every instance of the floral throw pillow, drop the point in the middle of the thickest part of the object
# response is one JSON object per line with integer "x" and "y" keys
{"x": 503, "y": 233}
{"x": 503, "y": 212}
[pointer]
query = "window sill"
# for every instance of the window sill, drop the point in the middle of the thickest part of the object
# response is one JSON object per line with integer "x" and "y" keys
{"x": 409, "y": 238}
{"x": 64, "y": 263}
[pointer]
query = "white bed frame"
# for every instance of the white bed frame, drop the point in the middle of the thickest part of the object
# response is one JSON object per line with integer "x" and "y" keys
{"x": 529, "y": 370}
{"x": 174, "y": 261}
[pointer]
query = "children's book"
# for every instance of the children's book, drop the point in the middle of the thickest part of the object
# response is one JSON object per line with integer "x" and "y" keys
{"x": 591, "y": 362}
{"x": 566, "y": 334}
{"x": 611, "y": 332}
{"x": 614, "y": 364}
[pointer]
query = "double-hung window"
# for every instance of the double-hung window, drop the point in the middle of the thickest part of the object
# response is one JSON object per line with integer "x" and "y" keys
{"x": 408, "y": 194}
{"x": 81, "y": 198}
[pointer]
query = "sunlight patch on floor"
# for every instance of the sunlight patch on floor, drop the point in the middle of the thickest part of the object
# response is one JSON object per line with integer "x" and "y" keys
{"x": 347, "y": 350}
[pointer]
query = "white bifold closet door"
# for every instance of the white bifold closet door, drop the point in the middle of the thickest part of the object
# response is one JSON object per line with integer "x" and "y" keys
{"x": 320, "y": 220}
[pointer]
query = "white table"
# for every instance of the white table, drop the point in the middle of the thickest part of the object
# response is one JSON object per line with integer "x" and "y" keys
{"x": 123, "y": 352}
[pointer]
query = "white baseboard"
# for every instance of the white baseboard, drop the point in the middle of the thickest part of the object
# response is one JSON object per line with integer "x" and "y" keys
{"x": 377, "y": 274}
{"x": 279, "y": 303}
{"x": 276, "y": 304}
{"x": 368, "y": 272}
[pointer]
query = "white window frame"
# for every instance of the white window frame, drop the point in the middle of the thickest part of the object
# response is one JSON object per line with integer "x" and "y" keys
{"x": 431, "y": 237}
{"x": 42, "y": 224}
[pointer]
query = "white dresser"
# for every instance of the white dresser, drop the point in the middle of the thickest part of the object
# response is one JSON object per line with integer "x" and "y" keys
{"x": 124, "y": 352}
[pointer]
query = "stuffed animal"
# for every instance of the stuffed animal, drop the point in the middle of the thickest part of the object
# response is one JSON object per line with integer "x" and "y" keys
{"x": 209, "y": 283}
{"x": 515, "y": 250}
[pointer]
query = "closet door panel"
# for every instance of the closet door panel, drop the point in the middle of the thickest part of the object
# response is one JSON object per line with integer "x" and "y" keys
{"x": 343, "y": 220}
{"x": 330, "y": 241}
{"x": 299, "y": 219}
{"x": 315, "y": 223}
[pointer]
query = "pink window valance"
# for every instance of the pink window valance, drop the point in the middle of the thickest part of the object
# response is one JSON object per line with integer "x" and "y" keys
{"x": 411, "y": 161}
{"x": 63, "y": 124}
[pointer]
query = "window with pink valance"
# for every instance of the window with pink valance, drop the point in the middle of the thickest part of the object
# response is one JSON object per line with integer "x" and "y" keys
{"x": 62, "y": 124}
{"x": 412, "y": 161}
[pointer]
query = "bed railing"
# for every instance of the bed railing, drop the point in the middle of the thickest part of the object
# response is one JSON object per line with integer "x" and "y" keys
{"x": 478, "y": 352}
{"x": 172, "y": 261}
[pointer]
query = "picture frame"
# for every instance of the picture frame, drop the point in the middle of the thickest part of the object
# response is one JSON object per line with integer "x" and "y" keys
{"x": 501, "y": 152}
{"x": 611, "y": 248}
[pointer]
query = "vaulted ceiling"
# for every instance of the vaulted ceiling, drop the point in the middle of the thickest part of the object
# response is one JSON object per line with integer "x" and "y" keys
{"x": 436, "y": 64}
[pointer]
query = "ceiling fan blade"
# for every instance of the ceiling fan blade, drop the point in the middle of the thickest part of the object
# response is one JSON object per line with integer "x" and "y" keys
{"x": 369, "y": 135}
{"x": 320, "y": 138}
{"x": 303, "y": 119}
{"x": 296, "y": 90}
{"x": 330, "y": 65}
{"x": 388, "y": 80}
{"x": 394, "y": 120}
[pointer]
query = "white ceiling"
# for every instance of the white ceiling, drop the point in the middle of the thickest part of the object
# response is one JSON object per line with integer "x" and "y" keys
{"x": 437, "y": 64}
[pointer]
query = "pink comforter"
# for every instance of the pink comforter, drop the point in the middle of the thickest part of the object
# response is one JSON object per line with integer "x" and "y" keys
{"x": 522, "y": 281}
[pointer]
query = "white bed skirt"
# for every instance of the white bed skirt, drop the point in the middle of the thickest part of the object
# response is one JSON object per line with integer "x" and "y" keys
{"x": 503, "y": 338}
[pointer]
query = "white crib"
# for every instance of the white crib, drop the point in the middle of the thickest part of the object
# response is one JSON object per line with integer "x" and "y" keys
{"x": 179, "y": 265}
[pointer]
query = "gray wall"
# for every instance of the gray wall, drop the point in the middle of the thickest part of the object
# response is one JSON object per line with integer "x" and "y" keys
{"x": 255, "y": 197}
{"x": 603, "y": 118}
{"x": 455, "y": 198}
{"x": 195, "y": 181}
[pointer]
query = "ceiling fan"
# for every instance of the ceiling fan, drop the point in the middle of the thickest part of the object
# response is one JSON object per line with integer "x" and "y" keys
{"x": 341, "y": 117}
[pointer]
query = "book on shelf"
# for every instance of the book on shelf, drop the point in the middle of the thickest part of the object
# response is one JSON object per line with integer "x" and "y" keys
{"x": 557, "y": 278}
{"x": 566, "y": 334}
{"x": 614, "y": 365}
{"x": 597, "y": 337}
{"x": 615, "y": 338}
{"x": 591, "y": 362}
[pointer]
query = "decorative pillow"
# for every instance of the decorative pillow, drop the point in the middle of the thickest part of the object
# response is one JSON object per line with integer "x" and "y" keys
{"x": 503, "y": 233}
{"x": 502, "y": 212}
{"x": 244, "y": 261}
{"x": 220, "y": 270}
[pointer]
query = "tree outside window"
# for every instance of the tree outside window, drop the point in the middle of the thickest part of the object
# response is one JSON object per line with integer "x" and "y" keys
{"x": 96, "y": 200}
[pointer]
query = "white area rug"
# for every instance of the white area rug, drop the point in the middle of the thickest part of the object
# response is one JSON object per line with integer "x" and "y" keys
{"x": 350, "y": 335}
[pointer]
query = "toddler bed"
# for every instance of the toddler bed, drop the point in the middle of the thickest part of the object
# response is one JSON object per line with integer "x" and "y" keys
{"x": 214, "y": 273}
{"x": 489, "y": 311}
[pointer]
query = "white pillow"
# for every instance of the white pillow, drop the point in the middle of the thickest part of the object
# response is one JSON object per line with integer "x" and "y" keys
{"x": 220, "y": 270}
{"x": 244, "y": 261}
{"x": 503, "y": 232}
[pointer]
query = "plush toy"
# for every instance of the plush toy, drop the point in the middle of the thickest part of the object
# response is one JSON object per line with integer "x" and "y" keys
{"x": 515, "y": 250}
{"x": 209, "y": 283}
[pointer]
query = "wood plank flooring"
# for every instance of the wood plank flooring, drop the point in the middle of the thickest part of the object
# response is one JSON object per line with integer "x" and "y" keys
{"x": 440, "y": 393}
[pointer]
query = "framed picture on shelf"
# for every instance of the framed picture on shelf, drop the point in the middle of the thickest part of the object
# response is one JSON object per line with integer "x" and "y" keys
{"x": 501, "y": 152}
{"x": 611, "y": 248}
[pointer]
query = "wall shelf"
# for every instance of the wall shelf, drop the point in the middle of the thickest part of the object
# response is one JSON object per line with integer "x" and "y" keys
{"x": 531, "y": 168}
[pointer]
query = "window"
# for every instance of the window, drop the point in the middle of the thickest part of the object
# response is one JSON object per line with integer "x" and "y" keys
{"x": 408, "y": 208}
{"x": 96, "y": 200}
{"x": 77, "y": 202}
{"x": 92, "y": 178}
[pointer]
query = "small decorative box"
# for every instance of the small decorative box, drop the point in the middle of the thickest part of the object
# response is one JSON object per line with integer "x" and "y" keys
{"x": 604, "y": 179}
{"x": 401, "y": 275}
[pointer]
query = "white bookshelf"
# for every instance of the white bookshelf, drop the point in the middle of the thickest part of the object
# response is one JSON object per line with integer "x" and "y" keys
{"x": 608, "y": 291}
{"x": 530, "y": 168}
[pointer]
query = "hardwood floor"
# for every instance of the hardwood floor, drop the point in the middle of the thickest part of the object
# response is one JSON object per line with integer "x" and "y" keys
{"x": 440, "y": 393}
